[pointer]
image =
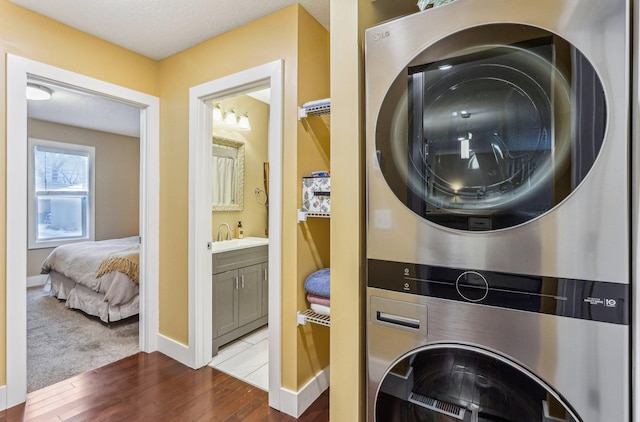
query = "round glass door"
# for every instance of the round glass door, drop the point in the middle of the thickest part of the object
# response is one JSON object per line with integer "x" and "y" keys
{"x": 491, "y": 127}
{"x": 460, "y": 383}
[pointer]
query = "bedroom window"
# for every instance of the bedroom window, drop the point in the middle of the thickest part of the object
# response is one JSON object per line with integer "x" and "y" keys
{"x": 61, "y": 192}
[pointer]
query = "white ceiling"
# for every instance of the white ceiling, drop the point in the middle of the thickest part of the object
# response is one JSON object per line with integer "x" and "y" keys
{"x": 160, "y": 28}
{"x": 263, "y": 95}
{"x": 153, "y": 28}
{"x": 76, "y": 108}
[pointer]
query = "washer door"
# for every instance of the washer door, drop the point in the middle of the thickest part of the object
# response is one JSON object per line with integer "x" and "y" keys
{"x": 491, "y": 127}
{"x": 448, "y": 383}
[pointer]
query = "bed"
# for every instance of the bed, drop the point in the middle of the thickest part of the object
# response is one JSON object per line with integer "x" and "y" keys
{"x": 99, "y": 278}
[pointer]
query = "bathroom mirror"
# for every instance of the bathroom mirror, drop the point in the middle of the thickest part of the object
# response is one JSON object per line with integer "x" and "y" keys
{"x": 227, "y": 175}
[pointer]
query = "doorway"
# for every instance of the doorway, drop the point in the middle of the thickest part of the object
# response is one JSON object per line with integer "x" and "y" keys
{"x": 240, "y": 185}
{"x": 19, "y": 70}
{"x": 201, "y": 101}
{"x": 84, "y": 170}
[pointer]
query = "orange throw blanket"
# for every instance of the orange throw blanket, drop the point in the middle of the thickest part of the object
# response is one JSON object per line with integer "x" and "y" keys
{"x": 125, "y": 261}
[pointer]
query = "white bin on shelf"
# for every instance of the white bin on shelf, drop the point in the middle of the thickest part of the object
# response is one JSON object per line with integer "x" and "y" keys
{"x": 316, "y": 194}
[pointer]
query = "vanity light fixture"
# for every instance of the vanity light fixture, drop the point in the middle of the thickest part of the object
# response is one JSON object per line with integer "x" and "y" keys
{"x": 230, "y": 119}
{"x": 243, "y": 122}
{"x": 217, "y": 114}
{"x": 38, "y": 92}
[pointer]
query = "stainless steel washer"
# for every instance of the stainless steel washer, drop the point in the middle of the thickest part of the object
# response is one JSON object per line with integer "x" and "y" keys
{"x": 498, "y": 212}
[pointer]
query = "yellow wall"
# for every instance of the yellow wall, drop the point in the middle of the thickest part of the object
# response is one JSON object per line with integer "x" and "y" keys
{"x": 29, "y": 35}
{"x": 313, "y": 154}
{"x": 227, "y": 54}
{"x": 348, "y": 318}
{"x": 289, "y": 34}
{"x": 281, "y": 35}
{"x": 256, "y": 142}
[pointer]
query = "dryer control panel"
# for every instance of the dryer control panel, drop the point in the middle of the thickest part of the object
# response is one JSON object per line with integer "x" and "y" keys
{"x": 583, "y": 299}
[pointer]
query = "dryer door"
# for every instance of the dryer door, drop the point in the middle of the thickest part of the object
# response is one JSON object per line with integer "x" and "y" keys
{"x": 491, "y": 127}
{"x": 448, "y": 383}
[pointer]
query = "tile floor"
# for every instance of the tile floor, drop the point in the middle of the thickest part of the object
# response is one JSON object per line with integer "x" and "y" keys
{"x": 246, "y": 358}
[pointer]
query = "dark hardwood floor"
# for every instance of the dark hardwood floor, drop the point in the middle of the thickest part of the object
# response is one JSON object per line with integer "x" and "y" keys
{"x": 153, "y": 387}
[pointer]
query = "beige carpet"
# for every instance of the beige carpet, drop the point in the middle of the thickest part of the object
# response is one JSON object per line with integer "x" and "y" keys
{"x": 62, "y": 342}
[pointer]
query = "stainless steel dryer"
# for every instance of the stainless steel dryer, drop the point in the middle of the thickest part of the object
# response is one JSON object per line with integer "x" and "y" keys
{"x": 498, "y": 211}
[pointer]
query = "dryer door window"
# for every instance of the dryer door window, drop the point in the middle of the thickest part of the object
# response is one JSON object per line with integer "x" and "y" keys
{"x": 491, "y": 127}
{"x": 460, "y": 383}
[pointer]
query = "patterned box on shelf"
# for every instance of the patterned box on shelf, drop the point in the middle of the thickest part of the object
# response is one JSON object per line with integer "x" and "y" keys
{"x": 316, "y": 194}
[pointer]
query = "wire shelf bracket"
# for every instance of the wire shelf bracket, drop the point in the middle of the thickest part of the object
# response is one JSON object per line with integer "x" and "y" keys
{"x": 302, "y": 215}
{"x": 311, "y": 316}
{"x": 316, "y": 108}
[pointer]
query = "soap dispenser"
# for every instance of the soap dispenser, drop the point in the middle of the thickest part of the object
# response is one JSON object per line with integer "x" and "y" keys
{"x": 239, "y": 231}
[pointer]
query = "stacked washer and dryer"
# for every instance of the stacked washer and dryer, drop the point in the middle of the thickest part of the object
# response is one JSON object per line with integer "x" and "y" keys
{"x": 498, "y": 232}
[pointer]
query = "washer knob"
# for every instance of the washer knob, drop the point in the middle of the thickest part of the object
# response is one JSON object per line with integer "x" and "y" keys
{"x": 472, "y": 286}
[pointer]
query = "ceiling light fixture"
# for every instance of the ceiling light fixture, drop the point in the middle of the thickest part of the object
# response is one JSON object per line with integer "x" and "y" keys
{"x": 38, "y": 92}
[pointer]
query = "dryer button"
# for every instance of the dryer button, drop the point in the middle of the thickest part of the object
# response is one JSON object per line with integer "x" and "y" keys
{"x": 472, "y": 286}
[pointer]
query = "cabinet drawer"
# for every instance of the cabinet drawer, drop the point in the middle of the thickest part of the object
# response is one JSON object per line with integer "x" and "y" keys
{"x": 231, "y": 260}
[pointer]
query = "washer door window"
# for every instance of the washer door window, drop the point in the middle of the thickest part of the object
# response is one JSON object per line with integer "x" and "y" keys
{"x": 491, "y": 127}
{"x": 460, "y": 383}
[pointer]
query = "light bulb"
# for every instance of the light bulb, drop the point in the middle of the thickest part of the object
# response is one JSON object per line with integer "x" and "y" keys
{"x": 217, "y": 114}
{"x": 243, "y": 122}
{"x": 230, "y": 118}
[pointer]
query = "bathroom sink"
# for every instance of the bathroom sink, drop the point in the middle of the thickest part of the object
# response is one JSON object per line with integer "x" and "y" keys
{"x": 234, "y": 244}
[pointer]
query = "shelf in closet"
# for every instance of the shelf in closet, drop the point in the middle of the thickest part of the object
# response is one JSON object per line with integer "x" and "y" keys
{"x": 310, "y": 316}
{"x": 316, "y": 108}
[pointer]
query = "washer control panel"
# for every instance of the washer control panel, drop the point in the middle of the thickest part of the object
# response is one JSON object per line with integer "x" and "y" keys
{"x": 472, "y": 286}
{"x": 583, "y": 299}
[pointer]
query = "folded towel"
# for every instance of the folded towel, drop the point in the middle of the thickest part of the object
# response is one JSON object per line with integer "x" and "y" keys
{"x": 320, "y": 300}
{"x": 320, "y": 309}
{"x": 318, "y": 283}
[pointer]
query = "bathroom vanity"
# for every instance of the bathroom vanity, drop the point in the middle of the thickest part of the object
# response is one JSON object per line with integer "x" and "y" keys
{"x": 240, "y": 288}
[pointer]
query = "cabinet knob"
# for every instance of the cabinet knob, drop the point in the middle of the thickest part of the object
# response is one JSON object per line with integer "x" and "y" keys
{"x": 242, "y": 278}
{"x": 236, "y": 283}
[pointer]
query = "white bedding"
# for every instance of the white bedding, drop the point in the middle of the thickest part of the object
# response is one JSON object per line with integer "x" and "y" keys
{"x": 77, "y": 296}
{"x": 81, "y": 261}
{"x": 111, "y": 297}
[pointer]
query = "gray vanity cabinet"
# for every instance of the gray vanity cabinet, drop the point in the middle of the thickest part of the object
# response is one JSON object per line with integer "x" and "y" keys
{"x": 240, "y": 291}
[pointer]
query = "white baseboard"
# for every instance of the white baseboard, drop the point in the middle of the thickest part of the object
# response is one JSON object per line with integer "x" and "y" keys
{"x": 37, "y": 280}
{"x": 175, "y": 350}
{"x": 3, "y": 397}
{"x": 295, "y": 403}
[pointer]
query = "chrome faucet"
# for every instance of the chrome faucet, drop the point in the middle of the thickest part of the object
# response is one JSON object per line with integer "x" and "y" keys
{"x": 220, "y": 231}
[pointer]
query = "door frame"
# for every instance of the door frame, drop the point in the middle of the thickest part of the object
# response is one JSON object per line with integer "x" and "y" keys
{"x": 200, "y": 225}
{"x": 19, "y": 69}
